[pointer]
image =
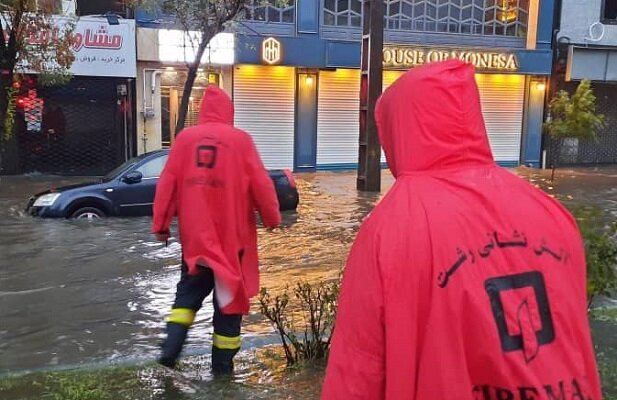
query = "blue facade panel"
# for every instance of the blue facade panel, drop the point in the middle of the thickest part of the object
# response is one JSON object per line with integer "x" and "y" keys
{"x": 312, "y": 52}
{"x": 308, "y": 16}
{"x": 305, "y": 52}
{"x": 546, "y": 24}
{"x": 342, "y": 55}
{"x": 536, "y": 62}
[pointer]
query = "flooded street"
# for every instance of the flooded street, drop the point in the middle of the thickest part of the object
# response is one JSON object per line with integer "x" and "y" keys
{"x": 75, "y": 293}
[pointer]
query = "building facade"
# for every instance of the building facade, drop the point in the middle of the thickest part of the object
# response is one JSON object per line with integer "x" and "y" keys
{"x": 295, "y": 80}
{"x": 587, "y": 49}
{"x": 85, "y": 127}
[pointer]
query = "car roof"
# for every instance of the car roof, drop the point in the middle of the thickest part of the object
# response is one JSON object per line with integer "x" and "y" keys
{"x": 153, "y": 153}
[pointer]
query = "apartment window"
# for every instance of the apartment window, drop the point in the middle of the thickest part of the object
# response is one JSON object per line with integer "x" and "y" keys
{"x": 275, "y": 11}
{"x": 474, "y": 17}
{"x": 609, "y": 12}
{"x": 344, "y": 13}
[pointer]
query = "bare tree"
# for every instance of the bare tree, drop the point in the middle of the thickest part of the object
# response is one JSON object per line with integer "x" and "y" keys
{"x": 201, "y": 20}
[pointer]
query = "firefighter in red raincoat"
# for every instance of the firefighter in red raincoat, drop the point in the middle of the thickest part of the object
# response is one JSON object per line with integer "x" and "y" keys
{"x": 213, "y": 181}
{"x": 465, "y": 282}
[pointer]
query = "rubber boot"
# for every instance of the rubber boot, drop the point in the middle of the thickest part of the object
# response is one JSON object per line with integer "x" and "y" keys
{"x": 172, "y": 346}
{"x": 223, "y": 362}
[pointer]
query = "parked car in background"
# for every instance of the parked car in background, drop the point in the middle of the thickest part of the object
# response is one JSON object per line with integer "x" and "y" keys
{"x": 128, "y": 191}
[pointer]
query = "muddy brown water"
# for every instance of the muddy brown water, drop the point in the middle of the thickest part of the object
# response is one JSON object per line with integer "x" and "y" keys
{"x": 76, "y": 293}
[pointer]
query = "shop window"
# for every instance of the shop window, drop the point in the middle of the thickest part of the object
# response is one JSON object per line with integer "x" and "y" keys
{"x": 609, "y": 12}
{"x": 273, "y": 11}
{"x": 172, "y": 85}
{"x": 475, "y": 17}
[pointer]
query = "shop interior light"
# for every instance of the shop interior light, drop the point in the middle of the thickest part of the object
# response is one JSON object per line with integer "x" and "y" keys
{"x": 540, "y": 86}
{"x": 309, "y": 80}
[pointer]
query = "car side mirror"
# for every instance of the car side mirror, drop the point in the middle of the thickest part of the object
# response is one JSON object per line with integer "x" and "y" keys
{"x": 133, "y": 177}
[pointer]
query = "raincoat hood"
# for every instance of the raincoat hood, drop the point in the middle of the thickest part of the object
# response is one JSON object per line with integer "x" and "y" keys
{"x": 431, "y": 119}
{"x": 216, "y": 106}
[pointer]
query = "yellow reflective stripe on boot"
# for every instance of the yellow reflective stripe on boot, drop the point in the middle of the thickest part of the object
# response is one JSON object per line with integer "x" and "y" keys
{"x": 226, "y": 342}
{"x": 182, "y": 316}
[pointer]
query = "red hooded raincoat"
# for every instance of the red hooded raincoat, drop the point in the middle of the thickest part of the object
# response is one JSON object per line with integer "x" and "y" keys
{"x": 465, "y": 282}
{"x": 214, "y": 180}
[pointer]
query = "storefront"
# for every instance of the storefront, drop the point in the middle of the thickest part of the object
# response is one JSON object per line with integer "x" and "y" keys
{"x": 85, "y": 127}
{"x": 264, "y": 99}
{"x": 161, "y": 69}
{"x": 307, "y": 118}
{"x": 599, "y": 65}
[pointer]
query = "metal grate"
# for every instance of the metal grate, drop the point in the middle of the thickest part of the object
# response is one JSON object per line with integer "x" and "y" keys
{"x": 475, "y": 17}
{"x": 77, "y": 129}
{"x": 604, "y": 151}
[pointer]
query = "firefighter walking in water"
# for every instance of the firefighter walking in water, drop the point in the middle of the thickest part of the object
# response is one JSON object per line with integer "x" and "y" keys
{"x": 213, "y": 182}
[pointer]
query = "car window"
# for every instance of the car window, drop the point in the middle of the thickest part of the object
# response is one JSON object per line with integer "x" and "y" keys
{"x": 113, "y": 174}
{"x": 153, "y": 168}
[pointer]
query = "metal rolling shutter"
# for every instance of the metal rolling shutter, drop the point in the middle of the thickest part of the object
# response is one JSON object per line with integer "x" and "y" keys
{"x": 264, "y": 99}
{"x": 503, "y": 98}
{"x": 338, "y": 118}
{"x": 389, "y": 77}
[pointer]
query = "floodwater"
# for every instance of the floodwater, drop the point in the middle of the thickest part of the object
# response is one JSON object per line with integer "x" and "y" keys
{"x": 78, "y": 292}
{"x": 87, "y": 293}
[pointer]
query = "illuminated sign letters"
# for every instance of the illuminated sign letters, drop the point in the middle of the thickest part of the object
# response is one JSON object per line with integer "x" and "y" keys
{"x": 405, "y": 57}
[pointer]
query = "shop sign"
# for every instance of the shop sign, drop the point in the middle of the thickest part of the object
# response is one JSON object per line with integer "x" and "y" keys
{"x": 100, "y": 49}
{"x": 271, "y": 51}
{"x": 405, "y": 57}
{"x": 104, "y": 50}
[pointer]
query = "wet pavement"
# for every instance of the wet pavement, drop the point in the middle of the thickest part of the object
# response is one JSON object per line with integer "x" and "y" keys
{"x": 79, "y": 293}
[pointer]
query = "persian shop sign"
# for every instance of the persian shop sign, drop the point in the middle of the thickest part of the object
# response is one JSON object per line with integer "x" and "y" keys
{"x": 100, "y": 49}
{"x": 405, "y": 57}
{"x": 104, "y": 50}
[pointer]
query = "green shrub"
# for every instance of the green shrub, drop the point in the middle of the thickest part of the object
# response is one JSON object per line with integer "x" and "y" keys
{"x": 601, "y": 251}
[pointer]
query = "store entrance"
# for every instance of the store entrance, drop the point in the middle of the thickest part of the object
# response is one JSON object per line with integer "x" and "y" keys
{"x": 172, "y": 85}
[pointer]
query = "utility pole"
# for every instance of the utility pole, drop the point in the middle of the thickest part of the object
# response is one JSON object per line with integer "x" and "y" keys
{"x": 369, "y": 168}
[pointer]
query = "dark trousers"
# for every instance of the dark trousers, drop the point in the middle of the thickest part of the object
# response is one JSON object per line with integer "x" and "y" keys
{"x": 190, "y": 293}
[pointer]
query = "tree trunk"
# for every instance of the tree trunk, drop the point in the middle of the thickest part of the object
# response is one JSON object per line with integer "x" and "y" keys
{"x": 6, "y": 79}
{"x": 556, "y": 149}
{"x": 190, "y": 80}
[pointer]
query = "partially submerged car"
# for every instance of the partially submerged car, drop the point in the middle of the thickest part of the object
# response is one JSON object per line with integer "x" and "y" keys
{"x": 128, "y": 191}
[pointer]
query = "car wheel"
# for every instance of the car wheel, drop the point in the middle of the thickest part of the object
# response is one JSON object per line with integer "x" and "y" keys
{"x": 88, "y": 213}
